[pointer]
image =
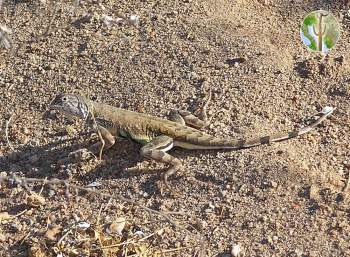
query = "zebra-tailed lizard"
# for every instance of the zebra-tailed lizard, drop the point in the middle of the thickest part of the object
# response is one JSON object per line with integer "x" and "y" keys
{"x": 156, "y": 135}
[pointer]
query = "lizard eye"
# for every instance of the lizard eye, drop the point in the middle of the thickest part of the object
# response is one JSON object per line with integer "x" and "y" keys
{"x": 64, "y": 99}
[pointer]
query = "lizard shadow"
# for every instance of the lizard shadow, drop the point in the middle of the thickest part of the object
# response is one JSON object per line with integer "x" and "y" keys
{"x": 39, "y": 161}
{"x": 122, "y": 162}
{"x": 126, "y": 164}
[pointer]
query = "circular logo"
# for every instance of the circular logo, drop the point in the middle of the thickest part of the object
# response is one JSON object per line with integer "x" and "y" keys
{"x": 320, "y": 31}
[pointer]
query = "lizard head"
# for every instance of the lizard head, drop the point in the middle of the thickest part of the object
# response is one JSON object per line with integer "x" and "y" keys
{"x": 71, "y": 105}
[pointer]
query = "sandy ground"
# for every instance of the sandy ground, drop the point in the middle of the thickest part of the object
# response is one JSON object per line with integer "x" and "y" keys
{"x": 284, "y": 199}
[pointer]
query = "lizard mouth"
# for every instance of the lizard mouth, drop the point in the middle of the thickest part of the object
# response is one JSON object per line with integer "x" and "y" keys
{"x": 58, "y": 108}
{"x": 55, "y": 107}
{"x": 61, "y": 110}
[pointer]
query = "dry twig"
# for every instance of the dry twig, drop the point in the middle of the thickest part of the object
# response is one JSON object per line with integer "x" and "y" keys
{"x": 24, "y": 181}
{"x": 5, "y": 40}
{"x": 346, "y": 187}
{"x": 7, "y": 133}
{"x": 54, "y": 13}
{"x": 131, "y": 241}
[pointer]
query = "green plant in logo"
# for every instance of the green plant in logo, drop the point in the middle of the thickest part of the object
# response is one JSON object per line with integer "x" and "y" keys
{"x": 320, "y": 31}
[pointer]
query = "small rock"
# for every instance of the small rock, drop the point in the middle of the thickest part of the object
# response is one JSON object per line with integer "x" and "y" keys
{"x": 70, "y": 130}
{"x": 26, "y": 131}
{"x": 224, "y": 193}
{"x": 5, "y": 216}
{"x": 139, "y": 233}
{"x": 236, "y": 250}
{"x": 117, "y": 226}
{"x": 51, "y": 192}
{"x": 298, "y": 252}
{"x": 221, "y": 65}
{"x": 15, "y": 227}
{"x": 269, "y": 240}
{"x": 83, "y": 225}
{"x": 313, "y": 193}
{"x": 273, "y": 184}
{"x": 52, "y": 232}
{"x": 2, "y": 237}
{"x": 211, "y": 205}
{"x": 94, "y": 184}
{"x": 80, "y": 154}
{"x": 35, "y": 200}
{"x": 134, "y": 20}
{"x": 108, "y": 20}
{"x": 35, "y": 251}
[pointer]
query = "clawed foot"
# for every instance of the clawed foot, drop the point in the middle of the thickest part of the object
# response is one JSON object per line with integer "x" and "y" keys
{"x": 81, "y": 154}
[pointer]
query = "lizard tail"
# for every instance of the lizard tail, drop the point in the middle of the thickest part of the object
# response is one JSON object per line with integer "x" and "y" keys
{"x": 200, "y": 140}
{"x": 239, "y": 144}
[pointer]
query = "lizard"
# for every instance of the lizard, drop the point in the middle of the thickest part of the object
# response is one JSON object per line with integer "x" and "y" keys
{"x": 158, "y": 135}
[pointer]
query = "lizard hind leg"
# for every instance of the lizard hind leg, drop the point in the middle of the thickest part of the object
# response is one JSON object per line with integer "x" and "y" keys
{"x": 187, "y": 118}
{"x": 156, "y": 150}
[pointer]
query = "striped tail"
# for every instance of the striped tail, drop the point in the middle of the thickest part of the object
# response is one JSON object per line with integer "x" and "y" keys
{"x": 199, "y": 140}
{"x": 239, "y": 144}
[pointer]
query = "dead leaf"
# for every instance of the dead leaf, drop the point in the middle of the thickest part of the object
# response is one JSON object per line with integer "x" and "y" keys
{"x": 35, "y": 251}
{"x": 35, "y": 200}
{"x": 52, "y": 232}
{"x": 117, "y": 226}
{"x": 5, "y": 216}
{"x": 142, "y": 250}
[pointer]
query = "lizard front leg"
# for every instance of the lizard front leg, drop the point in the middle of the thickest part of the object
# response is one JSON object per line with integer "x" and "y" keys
{"x": 107, "y": 140}
{"x": 156, "y": 150}
{"x": 187, "y": 118}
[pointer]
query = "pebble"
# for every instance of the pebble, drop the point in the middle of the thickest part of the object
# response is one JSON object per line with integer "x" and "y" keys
{"x": 83, "y": 225}
{"x": 52, "y": 232}
{"x": 51, "y": 192}
{"x": 2, "y": 237}
{"x": 298, "y": 252}
{"x": 70, "y": 130}
{"x": 273, "y": 184}
{"x": 26, "y": 131}
{"x": 134, "y": 20}
{"x": 35, "y": 200}
{"x": 221, "y": 65}
{"x": 4, "y": 216}
{"x": 211, "y": 205}
{"x": 35, "y": 251}
{"x": 235, "y": 250}
{"x": 94, "y": 184}
{"x": 15, "y": 228}
{"x": 269, "y": 240}
{"x": 313, "y": 192}
{"x": 117, "y": 226}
